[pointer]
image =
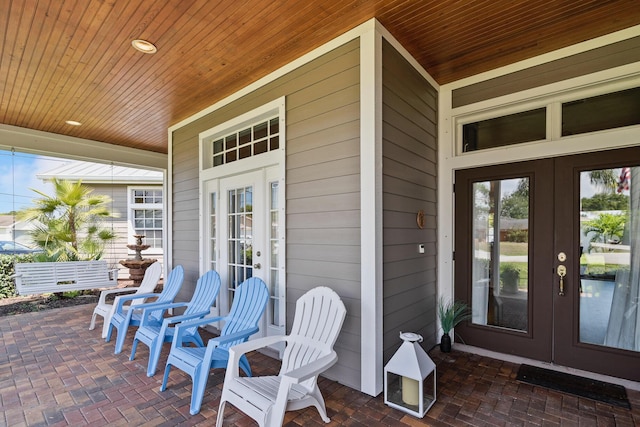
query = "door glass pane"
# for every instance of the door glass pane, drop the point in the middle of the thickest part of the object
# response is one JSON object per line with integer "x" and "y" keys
{"x": 610, "y": 257}
{"x": 276, "y": 309}
{"x": 240, "y": 240}
{"x": 212, "y": 230}
{"x": 501, "y": 253}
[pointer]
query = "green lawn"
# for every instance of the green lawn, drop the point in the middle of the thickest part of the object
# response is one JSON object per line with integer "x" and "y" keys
{"x": 513, "y": 248}
{"x": 508, "y": 248}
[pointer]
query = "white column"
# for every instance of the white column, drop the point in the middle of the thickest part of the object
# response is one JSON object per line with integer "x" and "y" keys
{"x": 371, "y": 210}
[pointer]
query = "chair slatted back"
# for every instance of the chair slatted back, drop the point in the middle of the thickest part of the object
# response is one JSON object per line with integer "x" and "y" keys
{"x": 207, "y": 289}
{"x": 149, "y": 282}
{"x": 317, "y": 323}
{"x": 248, "y": 305}
{"x": 169, "y": 290}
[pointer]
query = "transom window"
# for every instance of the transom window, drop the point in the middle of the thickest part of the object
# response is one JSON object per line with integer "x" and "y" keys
{"x": 249, "y": 141}
{"x": 553, "y": 121}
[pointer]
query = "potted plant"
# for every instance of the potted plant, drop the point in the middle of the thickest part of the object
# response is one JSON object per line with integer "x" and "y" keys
{"x": 510, "y": 277}
{"x": 451, "y": 314}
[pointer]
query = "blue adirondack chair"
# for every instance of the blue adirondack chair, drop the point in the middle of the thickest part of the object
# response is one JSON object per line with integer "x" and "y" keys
{"x": 242, "y": 321}
{"x": 122, "y": 319}
{"x": 154, "y": 335}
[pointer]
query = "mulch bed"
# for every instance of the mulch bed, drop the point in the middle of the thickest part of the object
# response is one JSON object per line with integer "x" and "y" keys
{"x": 30, "y": 303}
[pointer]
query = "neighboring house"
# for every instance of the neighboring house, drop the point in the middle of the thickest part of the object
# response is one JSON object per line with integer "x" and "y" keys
{"x": 317, "y": 173}
{"x": 12, "y": 229}
{"x": 137, "y": 199}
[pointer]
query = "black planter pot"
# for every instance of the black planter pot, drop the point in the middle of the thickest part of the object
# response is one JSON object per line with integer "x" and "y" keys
{"x": 445, "y": 343}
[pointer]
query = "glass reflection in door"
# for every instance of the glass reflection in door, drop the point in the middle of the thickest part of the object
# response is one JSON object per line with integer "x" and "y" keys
{"x": 240, "y": 240}
{"x": 501, "y": 253}
{"x": 610, "y": 258}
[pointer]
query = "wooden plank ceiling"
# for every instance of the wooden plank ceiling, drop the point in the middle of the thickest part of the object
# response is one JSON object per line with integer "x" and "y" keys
{"x": 72, "y": 60}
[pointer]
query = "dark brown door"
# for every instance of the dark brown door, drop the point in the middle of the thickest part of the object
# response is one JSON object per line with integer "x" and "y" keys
{"x": 544, "y": 255}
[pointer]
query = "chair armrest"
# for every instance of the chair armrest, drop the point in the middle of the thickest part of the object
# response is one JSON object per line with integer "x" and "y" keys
{"x": 256, "y": 344}
{"x": 103, "y": 294}
{"x": 312, "y": 369}
{"x": 148, "y": 308}
{"x": 161, "y": 305}
{"x": 183, "y": 326}
{"x": 236, "y": 352}
{"x": 124, "y": 298}
{"x": 198, "y": 322}
{"x": 184, "y": 317}
{"x": 218, "y": 341}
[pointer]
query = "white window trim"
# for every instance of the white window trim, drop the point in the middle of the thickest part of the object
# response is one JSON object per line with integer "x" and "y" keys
{"x": 130, "y": 226}
{"x": 273, "y": 108}
{"x": 552, "y": 101}
{"x": 273, "y": 162}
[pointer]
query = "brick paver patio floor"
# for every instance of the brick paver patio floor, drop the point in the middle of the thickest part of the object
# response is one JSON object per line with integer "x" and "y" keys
{"x": 55, "y": 372}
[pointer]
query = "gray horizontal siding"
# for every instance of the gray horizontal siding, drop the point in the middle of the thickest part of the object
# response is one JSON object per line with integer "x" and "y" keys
{"x": 603, "y": 58}
{"x": 322, "y": 187}
{"x": 347, "y": 183}
{"x": 325, "y": 220}
{"x": 323, "y": 198}
{"x": 409, "y": 170}
{"x": 347, "y": 254}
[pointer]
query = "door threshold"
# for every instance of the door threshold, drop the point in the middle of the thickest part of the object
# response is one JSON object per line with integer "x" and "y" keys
{"x": 631, "y": 385}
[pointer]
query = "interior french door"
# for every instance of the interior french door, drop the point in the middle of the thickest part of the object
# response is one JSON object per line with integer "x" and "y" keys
{"x": 547, "y": 254}
{"x": 244, "y": 234}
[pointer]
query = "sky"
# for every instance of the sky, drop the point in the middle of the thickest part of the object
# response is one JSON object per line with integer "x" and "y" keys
{"x": 18, "y": 176}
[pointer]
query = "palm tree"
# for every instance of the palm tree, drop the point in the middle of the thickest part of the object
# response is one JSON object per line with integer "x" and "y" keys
{"x": 606, "y": 227}
{"x": 605, "y": 179}
{"x": 69, "y": 225}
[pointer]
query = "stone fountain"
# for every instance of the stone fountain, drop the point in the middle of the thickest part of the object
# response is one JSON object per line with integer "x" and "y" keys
{"x": 137, "y": 265}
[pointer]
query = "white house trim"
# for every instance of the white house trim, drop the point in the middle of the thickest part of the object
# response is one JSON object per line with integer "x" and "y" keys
{"x": 44, "y": 143}
{"x": 371, "y": 372}
{"x": 168, "y": 212}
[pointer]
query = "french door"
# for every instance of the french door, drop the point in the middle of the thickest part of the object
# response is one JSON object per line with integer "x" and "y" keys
{"x": 547, "y": 254}
{"x": 244, "y": 236}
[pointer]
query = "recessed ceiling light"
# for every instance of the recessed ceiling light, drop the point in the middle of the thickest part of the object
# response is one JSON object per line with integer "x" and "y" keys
{"x": 144, "y": 46}
{"x": 73, "y": 123}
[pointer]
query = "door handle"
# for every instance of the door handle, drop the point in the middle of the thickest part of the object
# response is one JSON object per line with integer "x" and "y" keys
{"x": 257, "y": 266}
{"x": 561, "y": 271}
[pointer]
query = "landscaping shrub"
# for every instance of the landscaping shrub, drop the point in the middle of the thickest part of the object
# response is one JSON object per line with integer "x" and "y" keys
{"x": 7, "y": 284}
{"x": 519, "y": 236}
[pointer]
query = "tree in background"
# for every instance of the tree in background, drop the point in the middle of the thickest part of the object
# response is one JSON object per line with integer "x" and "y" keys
{"x": 69, "y": 225}
{"x": 605, "y": 202}
{"x": 516, "y": 204}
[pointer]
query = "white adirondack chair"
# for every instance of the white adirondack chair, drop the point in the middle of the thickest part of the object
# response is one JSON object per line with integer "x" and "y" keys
{"x": 148, "y": 284}
{"x": 309, "y": 352}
